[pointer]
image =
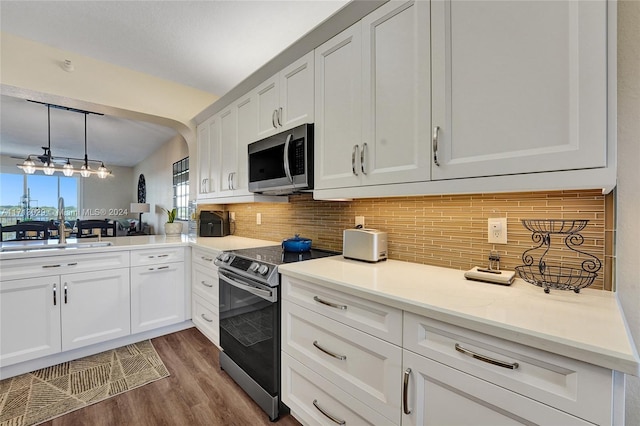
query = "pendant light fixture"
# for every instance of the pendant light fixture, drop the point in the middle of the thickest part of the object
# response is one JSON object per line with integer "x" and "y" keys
{"x": 49, "y": 168}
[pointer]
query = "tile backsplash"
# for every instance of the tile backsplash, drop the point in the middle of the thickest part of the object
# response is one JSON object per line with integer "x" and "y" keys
{"x": 442, "y": 230}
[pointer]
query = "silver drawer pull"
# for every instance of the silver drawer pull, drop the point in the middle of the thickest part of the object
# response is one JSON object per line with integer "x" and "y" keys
{"x": 405, "y": 392}
{"x": 205, "y": 318}
{"x": 51, "y": 266}
{"x": 72, "y": 264}
{"x": 333, "y": 305}
{"x": 434, "y": 142}
{"x": 163, "y": 255}
{"x": 503, "y": 364}
{"x": 327, "y": 415}
{"x": 55, "y": 288}
{"x": 65, "y": 293}
{"x": 204, "y": 283}
{"x": 206, "y": 259}
{"x": 340, "y": 357}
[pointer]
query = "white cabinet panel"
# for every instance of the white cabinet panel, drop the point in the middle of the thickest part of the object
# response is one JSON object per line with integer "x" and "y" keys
{"x": 95, "y": 307}
{"x": 157, "y": 256}
{"x": 29, "y": 319}
{"x": 396, "y": 94}
{"x": 157, "y": 296}
{"x": 268, "y": 99}
{"x": 205, "y": 317}
{"x": 519, "y": 86}
{"x": 208, "y": 153}
{"x": 227, "y": 163}
{"x": 438, "y": 395}
{"x": 338, "y": 109}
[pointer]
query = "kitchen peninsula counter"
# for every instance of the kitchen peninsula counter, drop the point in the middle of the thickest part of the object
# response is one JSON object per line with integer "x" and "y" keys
{"x": 588, "y": 326}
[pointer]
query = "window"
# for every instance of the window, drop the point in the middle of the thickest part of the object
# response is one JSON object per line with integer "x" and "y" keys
{"x": 181, "y": 188}
{"x": 35, "y": 197}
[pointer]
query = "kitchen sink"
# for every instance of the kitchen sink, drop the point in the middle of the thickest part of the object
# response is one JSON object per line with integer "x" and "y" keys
{"x": 45, "y": 245}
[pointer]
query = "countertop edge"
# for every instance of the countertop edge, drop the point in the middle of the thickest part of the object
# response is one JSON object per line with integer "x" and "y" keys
{"x": 623, "y": 362}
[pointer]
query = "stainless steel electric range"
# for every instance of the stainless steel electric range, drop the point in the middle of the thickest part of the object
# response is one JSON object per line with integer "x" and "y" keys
{"x": 250, "y": 319}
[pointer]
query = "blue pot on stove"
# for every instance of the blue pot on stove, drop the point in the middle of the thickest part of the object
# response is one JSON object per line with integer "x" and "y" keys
{"x": 296, "y": 244}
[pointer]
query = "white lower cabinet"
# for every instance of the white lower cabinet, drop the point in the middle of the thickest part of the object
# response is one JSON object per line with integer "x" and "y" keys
{"x": 157, "y": 296}
{"x": 440, "y": 395}
{"x": 394, "y": 367}
{"x": 29, "y": 319}
{"x": 205, "y": 298}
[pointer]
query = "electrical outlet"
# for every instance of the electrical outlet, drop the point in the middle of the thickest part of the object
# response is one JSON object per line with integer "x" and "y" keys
{"x": 232, "y": 215}
{"x": 258, "y": 218}
{"x": 360, "y": 221}
{"x": 497, "y": 230}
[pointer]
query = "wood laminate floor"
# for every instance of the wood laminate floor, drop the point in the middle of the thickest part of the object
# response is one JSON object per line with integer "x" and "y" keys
{"x": 196, "y": 393}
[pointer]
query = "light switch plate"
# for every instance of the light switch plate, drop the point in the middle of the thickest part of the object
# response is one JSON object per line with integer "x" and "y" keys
{"x": 497, "y": 230}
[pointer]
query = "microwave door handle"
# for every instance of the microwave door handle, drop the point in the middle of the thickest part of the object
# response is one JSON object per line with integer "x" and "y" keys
{"x": 287, "y": 170}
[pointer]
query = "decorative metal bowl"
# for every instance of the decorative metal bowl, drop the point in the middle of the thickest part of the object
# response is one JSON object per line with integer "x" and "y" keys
{"x": 556, "y": 277}
{"x": 554, "y": 226}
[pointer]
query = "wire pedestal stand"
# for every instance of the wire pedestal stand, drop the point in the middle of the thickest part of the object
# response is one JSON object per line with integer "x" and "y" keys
{"x": 551, "y": 276}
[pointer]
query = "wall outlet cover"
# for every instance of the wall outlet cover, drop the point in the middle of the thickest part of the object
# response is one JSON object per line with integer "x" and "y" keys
{"x": 497, "y": 230}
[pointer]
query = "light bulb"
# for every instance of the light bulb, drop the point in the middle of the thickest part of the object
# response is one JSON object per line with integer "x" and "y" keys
{"x": 67, "y": 169}
{"x": 48, "y": 169}
{"x": 29, "y": 167}
{"x": 102, "y": 171}
{"x": 85, "y": 170}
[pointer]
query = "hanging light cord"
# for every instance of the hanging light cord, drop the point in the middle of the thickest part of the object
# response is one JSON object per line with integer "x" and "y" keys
{"x": 86, "y": 159}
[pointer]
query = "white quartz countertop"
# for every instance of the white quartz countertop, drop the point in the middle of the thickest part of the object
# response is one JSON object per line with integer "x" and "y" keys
{"x": 229, "y": 242}
{"x": 588, "y": 326}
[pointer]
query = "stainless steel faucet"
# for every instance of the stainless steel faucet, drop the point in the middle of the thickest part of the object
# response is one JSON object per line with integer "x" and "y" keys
{"x": 61, "y": 228}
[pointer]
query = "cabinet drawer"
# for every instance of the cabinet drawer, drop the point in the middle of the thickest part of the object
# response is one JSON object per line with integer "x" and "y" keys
{"x": 205, "y": 283}
{"x": 362, "y": 365}
{"x": 374, "y": 318}
{"x": 204, "y": 257}
{"x": 569, "y": 385}
{"x": 63, "y": 264}
{"x": 156, "y": 256}
{"x": 205, "y": 318}
{"x": 301, "y": 387}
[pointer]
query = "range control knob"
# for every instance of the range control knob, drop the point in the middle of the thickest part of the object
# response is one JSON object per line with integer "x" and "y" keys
{"x": 254, "y": 267}
{"x": 225, "y": 257}
{"x": 263, "y": 269}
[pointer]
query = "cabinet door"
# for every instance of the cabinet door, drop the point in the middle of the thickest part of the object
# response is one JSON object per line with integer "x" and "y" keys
{"x": 396, "y": 94}
{"x": 227, "y": 164}
{"x": 438, "y": 395}
{"x": 338, "y": 103}
{"x": 95, "y": 307}
{"x": 29, "y": 319}
{"x": 267, "y": 100}
{"x": 518, "y": 86}
{"x": 247, "y": 115}
{"x": 203, "y": 159}
{"x": 296, "y": 93}
{"x": 157, "y": 296}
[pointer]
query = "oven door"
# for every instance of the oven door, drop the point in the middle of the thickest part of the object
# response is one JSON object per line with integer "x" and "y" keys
{"x": 250, "y": 327}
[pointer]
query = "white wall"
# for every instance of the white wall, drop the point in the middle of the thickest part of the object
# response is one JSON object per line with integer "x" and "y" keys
{"x": 628, "y": 188}
{"x": 158, "y": 174}
{"x": 108, "y": 195}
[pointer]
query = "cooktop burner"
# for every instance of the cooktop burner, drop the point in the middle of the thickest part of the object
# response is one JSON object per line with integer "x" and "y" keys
{"x": 275, "y": 255}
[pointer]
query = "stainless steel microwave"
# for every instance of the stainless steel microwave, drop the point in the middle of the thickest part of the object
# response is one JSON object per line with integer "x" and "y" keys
{"x": 282, "y": 164}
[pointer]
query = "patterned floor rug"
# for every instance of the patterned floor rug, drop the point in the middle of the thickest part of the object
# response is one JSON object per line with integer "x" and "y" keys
{"x": 44, "y": 394}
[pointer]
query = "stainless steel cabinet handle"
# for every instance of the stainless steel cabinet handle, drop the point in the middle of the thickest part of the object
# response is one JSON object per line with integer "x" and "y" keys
{"x": 280, "y": 116}
{"x": 405, "y": 392}
{"x": 163, "y": 255}
{"x": 205, "y": 318}
{"x": 333, "y": 305}
{"x": 273, "y": 118}
{"x": 336, "y": 356}
{"x": 434, "y": 142}
{"x": 51, "y": 266}
{"x": 327, "y": 415}
{"x": 55, "y": 299}
{"x": 72, "y": 264}
{"x": 364, "y": 148}
{"x": 503, "y": 364}
{"x": 204, "y": 283}
{"x": 353, "y": 159}
{"x": 65, "y": 293}
{"x": 206, "y": 259}
{"x": 158, "y": 268}
{"x": 230, "y": 180}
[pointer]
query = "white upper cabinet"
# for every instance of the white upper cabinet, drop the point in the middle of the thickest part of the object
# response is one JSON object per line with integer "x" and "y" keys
{"x": 208, "y": 151}
{"x": 338, "y": 99}
{"x": 247, "y": 132}
{"x": 286, "y": 99}
{"x": 518, "y": 86}
{"x": 373, "y": 100}
{"x": 396, "y": 94}
{"x": 227, "y": 162}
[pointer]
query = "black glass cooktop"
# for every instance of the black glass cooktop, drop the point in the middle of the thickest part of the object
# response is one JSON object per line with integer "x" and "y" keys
{"x": 275, "y": 255}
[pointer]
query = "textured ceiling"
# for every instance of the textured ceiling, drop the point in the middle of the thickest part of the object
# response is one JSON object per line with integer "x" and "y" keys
{"x": 208, "y": 45}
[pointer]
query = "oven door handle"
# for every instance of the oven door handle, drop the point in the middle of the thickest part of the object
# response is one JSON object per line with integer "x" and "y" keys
{"x": 263, "y": 294}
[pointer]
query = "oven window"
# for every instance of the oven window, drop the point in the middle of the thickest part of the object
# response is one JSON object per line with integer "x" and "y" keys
{"x": 247, "y": 326}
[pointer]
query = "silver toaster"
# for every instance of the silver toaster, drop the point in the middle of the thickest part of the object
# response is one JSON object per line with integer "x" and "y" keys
{"x": 369, "y": 245}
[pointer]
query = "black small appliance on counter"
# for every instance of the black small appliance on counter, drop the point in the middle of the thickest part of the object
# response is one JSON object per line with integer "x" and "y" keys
{"x": 214, "y": 224}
